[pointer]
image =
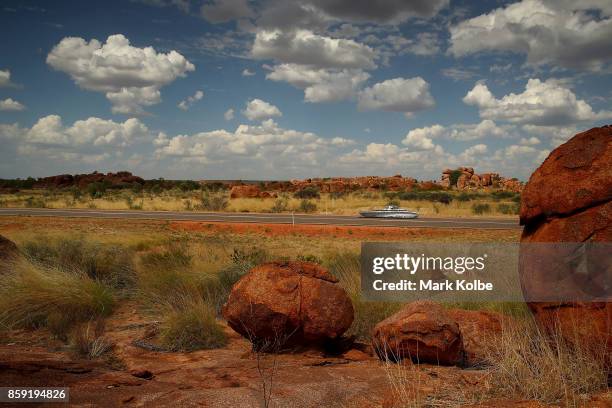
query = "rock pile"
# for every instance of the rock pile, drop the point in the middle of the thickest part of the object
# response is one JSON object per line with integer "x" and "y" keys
{"x": 466, "y": 179}
{"x": 249, "y": 191}
{"x": 569, "y": 199}
{"x": 297, "y": 303}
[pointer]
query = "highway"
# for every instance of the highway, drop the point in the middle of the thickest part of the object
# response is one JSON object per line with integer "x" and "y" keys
{"x": 261, "y": 218}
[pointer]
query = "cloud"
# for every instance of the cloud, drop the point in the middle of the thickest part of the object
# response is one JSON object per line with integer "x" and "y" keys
{"x": 542, "y": 103}
{"x": 5, "y": 78}
{"x": 568, "y": 34}
{"x": 247, "y": 72}
{"x": 397, "y": 95}
{"x": 422, "y": 138}
{"x": 266, "y": 147}
{"x": 229, "y": 114}
{"x": 221, "y": 11}
{"x": 182, "y": 5}
{"x": 307, "y": 48}
{"x": 9, "y": 104}
{"x": 256, "y": 110}
{"x": 380, "y": 11}
{"x": 320, "y": 85}
{"x": 129, "y": 76}
{"x": 187, "y": 103}
{"x": 458, "y": 74}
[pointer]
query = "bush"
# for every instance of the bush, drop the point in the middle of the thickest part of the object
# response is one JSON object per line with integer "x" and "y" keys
{"x": 212, "y": 202}
{"x": 34, "y": 296}
{"x": 307, "y": 192}
{"x": 37, "y": 202}
{"x": 307, "y": 206}
{"x": 508, "y": 208}
{"x": 504, "y": 195}
{"x": 454, "y": 177}
{"x": 109, "y": 264}
{"x": 192, "y": 327}
{"x": 463, "y": 197}
{"x": 481, "y": 208}
{"x": 433, "y": 196}
{"x": 88, "y": 339}
{"x": 280, "y": 205}
{"x": 97, "y": 189}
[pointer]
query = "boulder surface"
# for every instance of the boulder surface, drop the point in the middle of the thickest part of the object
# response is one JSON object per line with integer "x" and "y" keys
{"x": 421, "y": 331}
{"x": 289, "y": 302}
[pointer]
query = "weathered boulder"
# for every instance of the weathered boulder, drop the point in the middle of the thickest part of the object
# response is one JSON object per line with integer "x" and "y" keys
{"x": 289, "y": 302}
{"x": 568, "y": 199}
{"x": 478, "y": 330}
{"x": 8, "y": 249}
{"x": 422, "y": 331}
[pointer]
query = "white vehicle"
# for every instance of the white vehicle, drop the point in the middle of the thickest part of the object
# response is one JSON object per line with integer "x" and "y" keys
{"x": 390, "y": 211}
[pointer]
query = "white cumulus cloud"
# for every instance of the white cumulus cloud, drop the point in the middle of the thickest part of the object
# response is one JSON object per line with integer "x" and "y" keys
{"x": 397, "y": 95}
{"x": 256, "y": 110}
{"x": 564, "y": 33}
{"x": 229, "y": 114}
{"x": 130, "y": 77}
{"x": 9, "y": 104}
{"x": 543, "y": 103}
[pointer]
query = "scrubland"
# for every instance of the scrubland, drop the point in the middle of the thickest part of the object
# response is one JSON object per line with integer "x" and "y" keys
{"x": 76, "y": 274}
{"x": 426, "y": 203}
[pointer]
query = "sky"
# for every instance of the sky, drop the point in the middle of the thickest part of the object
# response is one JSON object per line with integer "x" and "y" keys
{"x": 282, "y": 89}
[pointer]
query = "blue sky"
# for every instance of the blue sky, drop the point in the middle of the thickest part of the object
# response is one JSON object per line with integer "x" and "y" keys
{"x": 282, "y": 89}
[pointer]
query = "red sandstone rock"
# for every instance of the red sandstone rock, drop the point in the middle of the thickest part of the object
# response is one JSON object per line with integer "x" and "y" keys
{"x": 478, "y": 328}
{"x": 576, "y": 175}
{"x": 422, "y": 331}
{"x": 297, "y": 301}
{"x": 245, "y": 191}
{"x": 568, "y": 199}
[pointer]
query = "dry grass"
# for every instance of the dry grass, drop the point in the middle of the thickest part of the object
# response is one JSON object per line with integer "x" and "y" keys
{"x": 527, "y": 363}
{"x": 88, "y": 339}
{"x": 32, "y": 295}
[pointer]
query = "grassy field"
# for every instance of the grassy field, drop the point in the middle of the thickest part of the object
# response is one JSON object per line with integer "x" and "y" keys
{"x": 431, "y": 204}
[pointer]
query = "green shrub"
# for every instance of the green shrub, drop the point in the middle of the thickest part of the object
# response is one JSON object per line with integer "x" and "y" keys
{"x": 508, "y": 208}
{"x": 463, "y": 197}
{"x": 174, "y": 255}
{"x": 192, "y": 327}
{"x": 307, "y": 206}
{"x": 212, "y": 202}
{"x": 37, "y": 202}
{"x": 504, "y": 195}
{"x": 280, "y": 205}
{"x": 311, "y": 258}
{"x": 481, "y": 208}
{"x": 307, "y": 192}
{"x": 454, "y": 177}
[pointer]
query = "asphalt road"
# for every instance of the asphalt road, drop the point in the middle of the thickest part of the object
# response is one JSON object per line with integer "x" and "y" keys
{"x": 259, "y": 218}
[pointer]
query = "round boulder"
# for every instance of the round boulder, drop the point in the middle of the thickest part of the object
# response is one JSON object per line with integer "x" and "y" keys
{"x": 297, "y": 303}
{"x": 422, "y": 331}
{"x": 568, "y": 199}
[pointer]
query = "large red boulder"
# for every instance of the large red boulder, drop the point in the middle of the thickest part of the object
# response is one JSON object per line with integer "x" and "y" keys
{"x": 246, "y": 191}
{"x": 291, "y": 302}
{"x": 568, "y": 199}
{"x": 422, "y": 331}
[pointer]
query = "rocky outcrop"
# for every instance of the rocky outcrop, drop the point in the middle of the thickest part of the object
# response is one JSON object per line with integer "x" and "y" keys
{"x": 568, "y": 199}
{"x": 478, "y": 328}
{"x": 122, "y": 178}
{"x": 421, "y": 331}
{"x": 466, "y": 179}
{"x": 8, "y": 249}
{"x": 296, "y": 303}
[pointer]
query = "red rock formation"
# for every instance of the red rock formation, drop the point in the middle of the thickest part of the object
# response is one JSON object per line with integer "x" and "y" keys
{"x": 422, "y": 331}
{"x": 568, "y": 199}
{"x": 478, "y": 328}
{"x": 298, "y": 301}
{"x": 83, "y": 180}
{"x": 469, "y": 180}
